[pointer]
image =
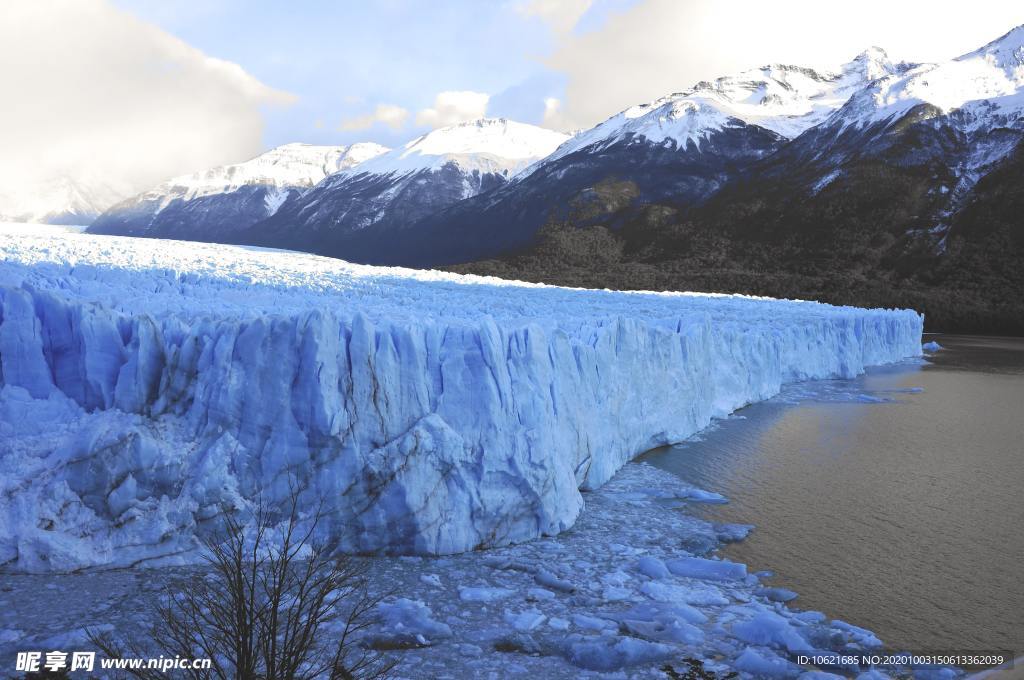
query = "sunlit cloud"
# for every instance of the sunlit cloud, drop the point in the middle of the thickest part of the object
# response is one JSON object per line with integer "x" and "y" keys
{"x": 390, "y": 115}
{"x": 657, "y": 47}
{"x": 102, "y": 93}
{"x": 561, "y": 15}
{"x": 454, "y": 107}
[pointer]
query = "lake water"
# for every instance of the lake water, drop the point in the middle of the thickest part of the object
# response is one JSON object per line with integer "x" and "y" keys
{"x": 893, "y": 501}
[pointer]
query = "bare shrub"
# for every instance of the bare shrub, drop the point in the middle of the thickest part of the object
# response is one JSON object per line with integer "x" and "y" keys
{"x": 272, "y": 604}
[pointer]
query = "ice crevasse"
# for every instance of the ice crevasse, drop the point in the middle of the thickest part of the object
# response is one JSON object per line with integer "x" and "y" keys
{"x": 148, "y": 386}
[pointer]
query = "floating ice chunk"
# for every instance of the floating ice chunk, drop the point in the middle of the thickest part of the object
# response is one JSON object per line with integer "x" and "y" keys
{"x": 615, "y": 593}
{"x": 616, "y": 578}
{"x": 663, "y": 612}
{"x": 732, "y": 533}
{"x": 666, "y": 630}
{"x": 508, "y": 564}
{"x": 591, "y": 622}
{"x": 609, "y": 653}
{"x": 695, "y": 495}
{"x": 539, "y": 594}
{"x": 473, "y": 651}
{"x": 776, "y": 594}
{"x": 484, "y": 594}
{"x": 705, "y": 594}
{"x": 652, "y": 567}
{"x": 676, "y": 594}
{"x": 431, "y": 580}
{"x": 768, "y": 628}
{"x": 763, "y": 663}
{"x": 408, "y": 623}
{"x": 549, "y": 580}
{"x": 556, "y": 623}
{"x": 810, "y": 617}
{"x": 525, "y": 621}
{"x": 858, "y": 634}
{"x": 931, "y": 346}
{"x": 699, "y": 567}
{"x": 870, "y": 399}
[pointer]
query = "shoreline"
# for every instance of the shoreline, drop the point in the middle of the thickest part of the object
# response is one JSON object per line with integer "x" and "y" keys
{"x": 635, "y": 585}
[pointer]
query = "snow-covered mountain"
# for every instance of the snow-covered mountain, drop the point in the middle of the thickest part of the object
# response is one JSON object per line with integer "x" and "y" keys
{"x": 490, "y": 146}
{"x": 876, "y": 158}
{"x": 942, "y": 126}
{"x": 786, "y": 100}
{"x": 908, "y": 194}
{"x": 290, "y": 165}
{"x": 682, "y": 148}
{"x": 397, "y": 188}
{"x": 211, "y": 203}
{"x": 986, "y": 86}
{"x": 74, "y": 198}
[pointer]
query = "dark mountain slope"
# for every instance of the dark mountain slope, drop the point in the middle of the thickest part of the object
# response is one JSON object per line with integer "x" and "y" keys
{"x": 868, "y": 237}
{"x": 588, "y": 186}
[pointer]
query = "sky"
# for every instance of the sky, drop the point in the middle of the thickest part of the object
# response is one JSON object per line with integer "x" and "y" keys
{"x": 135, "y": 91}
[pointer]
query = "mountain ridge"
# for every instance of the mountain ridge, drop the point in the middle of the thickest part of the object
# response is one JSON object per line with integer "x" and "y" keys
{"x": 783, "y": 170}
{"x": 426, "y": 175}
{"x": 211, "y": 204}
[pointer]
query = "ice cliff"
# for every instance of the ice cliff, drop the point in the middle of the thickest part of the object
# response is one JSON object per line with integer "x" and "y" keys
{"x": 148, "y": 386}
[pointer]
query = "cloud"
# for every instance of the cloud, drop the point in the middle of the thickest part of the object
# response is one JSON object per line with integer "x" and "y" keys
{"x": 386, "y": 114}
{"x": 554, "y": 119}
{"x": 561, "y": 15}
{"x": 454, "y": 107}
{"x": 90, "y": 90}
{"x": 657, "y": 47}
{"x": 525, "y": 101}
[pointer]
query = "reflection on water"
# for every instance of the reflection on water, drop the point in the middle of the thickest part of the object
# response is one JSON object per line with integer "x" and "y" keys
{"x": 892, "y": 501}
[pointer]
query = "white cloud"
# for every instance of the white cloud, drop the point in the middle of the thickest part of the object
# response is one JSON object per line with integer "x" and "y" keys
{"x": 90, "y": 90}
{"x": 561, "y": 15}
{"x": 386, "y": 114}
{"x": 454, "y": 107}
{"x": 553, "y": 117}
{"x": 661, "y": 46}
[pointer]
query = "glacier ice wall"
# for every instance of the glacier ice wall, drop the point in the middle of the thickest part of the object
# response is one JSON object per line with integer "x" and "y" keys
{"x": 146, "y": 387}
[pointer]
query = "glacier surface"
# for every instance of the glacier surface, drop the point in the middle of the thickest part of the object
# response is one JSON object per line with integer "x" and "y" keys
{"x": 147, "y": 387}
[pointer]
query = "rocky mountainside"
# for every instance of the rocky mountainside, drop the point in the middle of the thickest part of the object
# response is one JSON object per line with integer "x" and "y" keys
{"x": 684, "y": 148}
{"x": 213, "y": 204}
{"x": 908, "y": 194}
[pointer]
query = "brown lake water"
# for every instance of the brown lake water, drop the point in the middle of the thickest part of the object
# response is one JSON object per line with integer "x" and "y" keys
{"x": 892, "y": 501}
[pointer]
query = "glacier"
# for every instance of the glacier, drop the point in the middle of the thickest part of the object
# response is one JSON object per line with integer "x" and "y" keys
{"x": 148, "y": 386}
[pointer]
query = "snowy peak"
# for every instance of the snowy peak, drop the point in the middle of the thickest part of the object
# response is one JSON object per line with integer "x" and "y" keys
{"x": 1006, "y": 53}
{"x": 291, "y": 165}
{"x": 489, "y": 145}
{"x": 985, "y": 82}
{"x": 223, "y": 200}
{"x": 872, "y": 64}
{"x": 783, "y": 99}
